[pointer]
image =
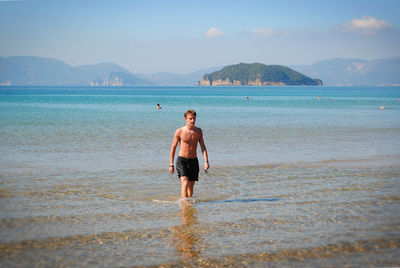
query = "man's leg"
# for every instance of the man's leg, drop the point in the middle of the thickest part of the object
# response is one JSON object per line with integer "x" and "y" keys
{"x": 190, "y": 188}
{"x": 184, "y": 186}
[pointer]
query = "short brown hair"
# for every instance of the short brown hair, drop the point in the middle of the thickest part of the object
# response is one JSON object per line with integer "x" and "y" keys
{"x": 192, "y": 112}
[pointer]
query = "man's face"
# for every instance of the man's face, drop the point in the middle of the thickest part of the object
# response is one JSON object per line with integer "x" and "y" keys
{"x": 190, "y": 120}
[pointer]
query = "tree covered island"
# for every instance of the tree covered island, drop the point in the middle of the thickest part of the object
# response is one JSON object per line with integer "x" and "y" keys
{"x": 257, "y": 74}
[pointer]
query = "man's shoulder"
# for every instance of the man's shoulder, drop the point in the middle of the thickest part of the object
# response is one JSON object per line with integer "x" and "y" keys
{"x": 180, "y": 130}
{"x": 197, "y": 128}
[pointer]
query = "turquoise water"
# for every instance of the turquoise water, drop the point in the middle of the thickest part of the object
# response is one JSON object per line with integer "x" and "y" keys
{"x": 294, "y": 178}
{"x": 119, "y": 129}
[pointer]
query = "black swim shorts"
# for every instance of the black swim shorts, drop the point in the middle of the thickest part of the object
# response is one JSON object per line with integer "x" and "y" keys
{"x": 188, "y": 167}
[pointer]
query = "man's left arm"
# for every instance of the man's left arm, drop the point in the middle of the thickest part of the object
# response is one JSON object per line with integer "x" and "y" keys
{"x": 204, "y": 151}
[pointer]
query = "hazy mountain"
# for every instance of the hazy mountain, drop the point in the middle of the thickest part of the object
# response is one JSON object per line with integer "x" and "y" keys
{"x": 167, "y": 79}
{"x": 172, "y": 79}
{"x": 101, "y": 69}
{"x": 354, "y": 72}
{"x": 34, "y": 70}
{"x": 23, "y": 70}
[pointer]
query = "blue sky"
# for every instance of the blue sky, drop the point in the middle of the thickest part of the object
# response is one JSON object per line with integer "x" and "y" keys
{"x": 185, "y": 36}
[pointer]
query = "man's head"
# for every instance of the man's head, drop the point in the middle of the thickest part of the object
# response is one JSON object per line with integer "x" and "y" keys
{"x": 190, "y": 118}
{"x": 190, "y": 112}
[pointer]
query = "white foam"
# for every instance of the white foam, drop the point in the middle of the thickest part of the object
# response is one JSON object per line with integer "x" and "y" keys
{"x": 187, "y": 201}
{"x": 165, "y": 201}
{"x": 182, "y": 201}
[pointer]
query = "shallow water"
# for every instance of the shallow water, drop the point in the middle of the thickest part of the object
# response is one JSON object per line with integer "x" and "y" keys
{"x": 294, "y": 180}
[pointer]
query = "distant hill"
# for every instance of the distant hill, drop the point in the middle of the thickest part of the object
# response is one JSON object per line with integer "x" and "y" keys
{"x": 173, "y": 79}
{"x": 23, "y": 70}
{"x": 354, "y": 72}
{"x": 257, "y": 74}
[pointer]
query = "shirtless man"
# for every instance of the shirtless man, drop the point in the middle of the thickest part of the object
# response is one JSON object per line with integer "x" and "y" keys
{"x": 187, "y": 164}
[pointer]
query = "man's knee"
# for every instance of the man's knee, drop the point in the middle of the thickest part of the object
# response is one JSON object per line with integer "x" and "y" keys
{"x": 185, "y": 181}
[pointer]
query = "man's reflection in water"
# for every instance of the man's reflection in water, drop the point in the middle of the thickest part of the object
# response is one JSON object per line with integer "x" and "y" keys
{"x": 185, "y": 238}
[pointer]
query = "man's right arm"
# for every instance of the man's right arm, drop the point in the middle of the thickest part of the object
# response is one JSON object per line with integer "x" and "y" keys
{"x": 172, "y": 153}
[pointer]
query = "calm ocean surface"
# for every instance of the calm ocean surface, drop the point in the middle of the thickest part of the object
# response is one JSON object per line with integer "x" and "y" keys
{"x": 295, "y": 179}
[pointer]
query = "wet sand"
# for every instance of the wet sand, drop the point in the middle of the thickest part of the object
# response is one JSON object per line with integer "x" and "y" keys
{"x": 326, "y": 213}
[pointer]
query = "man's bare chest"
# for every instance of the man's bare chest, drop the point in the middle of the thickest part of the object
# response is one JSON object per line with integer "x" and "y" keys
{"x": 190, "y": 137}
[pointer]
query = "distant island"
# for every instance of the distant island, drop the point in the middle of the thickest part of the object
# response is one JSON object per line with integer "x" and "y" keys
{"x": 257, "y": 74}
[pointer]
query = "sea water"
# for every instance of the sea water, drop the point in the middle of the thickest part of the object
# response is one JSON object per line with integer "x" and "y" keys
{"x": 299, "y": 176}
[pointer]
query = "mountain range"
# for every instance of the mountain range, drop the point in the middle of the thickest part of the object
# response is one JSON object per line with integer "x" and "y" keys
{"x": 27, "y": 70}
{"x": 354, "y": 72}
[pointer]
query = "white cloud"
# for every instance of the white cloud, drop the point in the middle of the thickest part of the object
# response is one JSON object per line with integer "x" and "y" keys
{"x": 213, "y": 32}
{"x": 263, "y": 32}
{"x": 365, "y": 25}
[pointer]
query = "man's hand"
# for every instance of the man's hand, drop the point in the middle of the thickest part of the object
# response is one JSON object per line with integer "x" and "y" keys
{"x": 171, "y": 169}
{"x": 206, "y": 165}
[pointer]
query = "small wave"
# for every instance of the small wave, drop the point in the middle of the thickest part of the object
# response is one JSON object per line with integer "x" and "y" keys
{"x": 244, "y": 200}
{"x": 187, "y": 201}
{"x": 165, "y": 201}
{"x": 193, "y": 201}
{"x": 179, "y": 201}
